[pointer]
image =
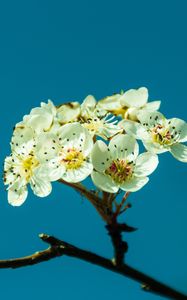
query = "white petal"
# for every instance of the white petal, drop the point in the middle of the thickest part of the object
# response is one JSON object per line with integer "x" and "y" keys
{"x": 23, "y": 139}
{"x": 50, "y": 107}
{"x": 100, "y": 156}
{"x": 77, "y": 175}
{"x": 131, "y": 114}
{"x": 155, "y": 147}
{"x": 104, "y": 182}
{"x": 135, "y": 129}
{"x": 68, "y": 112}
{"x": 17, "y": 197}
{"x": 75, "y": 135}
{"x": 41, "y": 123}
{"x": 178, "y": 128}
{"x": 153, "y": 105}
{"x": 70, "y": 131}
{"x": 47, "y": 147}
{"x": 8, "y": 163}
{"x": 39, "y": 119}
{"x": 88, "y": 103}
{"x": 134, "y": 184}
{"x": 52, "y": 170}
{"x": 13, "y": 173}
{"x": 135, "y": 98}
{"x": 108, "y": 130}
{"x": 22, "y": 134}
{"x": 9, "y": 178}
{"x": 55, "y": 173}
{"x": 40, "y": 186}
{"x": 124, "y": 146}
{"x": 179, "y": 151}
{"x": 150, "y": 119}
{"x": 146, "y": 163}
{"x": 110, "y": 103}
{"x": 87, "y": 144}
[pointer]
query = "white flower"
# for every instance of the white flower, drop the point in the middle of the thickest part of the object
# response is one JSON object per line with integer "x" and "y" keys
{"x": 136, "y": 101}
{"x": 68, "y": 112}
{"x": 97, "y": 120}
{"x": 159, "y": 134}
{"x": 41, "y": 119}
{"x": 23, "y": 167}
{"x": 67, "y": 155}
{"x": 89, "y": 108}
{"x": 119, "y": 166}
{"x": 130, "y": 103}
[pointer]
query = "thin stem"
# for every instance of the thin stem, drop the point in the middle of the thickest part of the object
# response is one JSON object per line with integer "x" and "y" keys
{"x": 119, "y": 207}
{"x": 127, "y": 206}
{"x": 58, "y": 248}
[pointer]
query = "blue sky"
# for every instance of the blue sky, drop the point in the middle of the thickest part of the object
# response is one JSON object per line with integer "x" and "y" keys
{"x": 64, "y": 50}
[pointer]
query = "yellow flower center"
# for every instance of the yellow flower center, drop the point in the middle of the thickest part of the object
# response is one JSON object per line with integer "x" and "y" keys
{"x": 120, "y": 170}
{"x": 28, "y": 165}
{"x": 161, "y": 135}
{"x": 93, "y": 125}
{"x": 73, "y": 159}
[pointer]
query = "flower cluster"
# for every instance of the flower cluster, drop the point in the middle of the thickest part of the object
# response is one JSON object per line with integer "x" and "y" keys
{"x": 95, "y": 139}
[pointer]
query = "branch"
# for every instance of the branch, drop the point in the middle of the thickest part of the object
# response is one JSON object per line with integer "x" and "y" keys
{"x": 58, "y": 248}
{"x": 120, "y": 247}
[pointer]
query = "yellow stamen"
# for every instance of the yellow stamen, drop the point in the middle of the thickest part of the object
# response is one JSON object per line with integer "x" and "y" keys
{"x": 93, "y": 125}
{"x": 28, "y": 165}
{"x": 73, "y": 159}
{"x": 161, "y": 135}
{"x": 120, "y": 171}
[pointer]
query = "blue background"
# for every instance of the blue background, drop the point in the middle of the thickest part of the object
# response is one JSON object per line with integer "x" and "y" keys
{"x": 64, "y": 50}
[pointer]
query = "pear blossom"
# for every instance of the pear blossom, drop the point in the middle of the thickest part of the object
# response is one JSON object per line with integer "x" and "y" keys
{"x": 159, "y": 134}
{"x": 66, "y": 155}
{"x": 41, "y": 119}
{"x": 130, "y": 103}
{"x": 22, "y": 167}
{"x": 118, "y": 165}
{"x": 57, "y": 142}
{"x": 97, "y": 120}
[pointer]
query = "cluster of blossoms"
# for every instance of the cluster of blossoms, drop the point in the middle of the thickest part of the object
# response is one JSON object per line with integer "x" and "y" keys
{"x": 96, "y": 138}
